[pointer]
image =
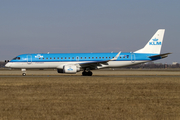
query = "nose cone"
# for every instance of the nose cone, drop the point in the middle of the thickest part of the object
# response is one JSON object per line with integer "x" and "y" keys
{"x": 8, "y": 65}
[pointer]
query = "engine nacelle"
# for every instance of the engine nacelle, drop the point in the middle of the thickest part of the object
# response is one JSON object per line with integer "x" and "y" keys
{"x": 60, "y": 70}
{"x": 71, "y": 69}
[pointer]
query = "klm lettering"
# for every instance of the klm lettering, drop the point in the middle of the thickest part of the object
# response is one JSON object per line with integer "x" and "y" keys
{"x": 154, "y": 43}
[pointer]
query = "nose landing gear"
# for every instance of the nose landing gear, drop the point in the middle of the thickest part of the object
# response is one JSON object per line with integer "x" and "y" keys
{"x": 23, "y": 72}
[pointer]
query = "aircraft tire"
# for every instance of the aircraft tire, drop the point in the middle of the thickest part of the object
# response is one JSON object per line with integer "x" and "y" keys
{"x": 23, "y": 74}
{"x": 86, "y": 73}
{"x": 89, "y": 73}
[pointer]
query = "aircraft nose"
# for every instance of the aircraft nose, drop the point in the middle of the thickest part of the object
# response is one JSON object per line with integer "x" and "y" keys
{"x": 8, "y": 65}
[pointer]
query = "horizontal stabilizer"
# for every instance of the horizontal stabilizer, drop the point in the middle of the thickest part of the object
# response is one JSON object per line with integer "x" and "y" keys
{"x": 161, "y": 55}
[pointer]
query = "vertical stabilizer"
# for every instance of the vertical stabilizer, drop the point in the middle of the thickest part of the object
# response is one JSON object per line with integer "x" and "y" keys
{"x": 154, "y": 44}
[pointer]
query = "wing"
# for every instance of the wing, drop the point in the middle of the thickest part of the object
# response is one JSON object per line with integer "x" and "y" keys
{"x": 95, "y": 63}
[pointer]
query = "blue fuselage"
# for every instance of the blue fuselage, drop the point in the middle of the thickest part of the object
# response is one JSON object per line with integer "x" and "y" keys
{"x": 82, "y": 57}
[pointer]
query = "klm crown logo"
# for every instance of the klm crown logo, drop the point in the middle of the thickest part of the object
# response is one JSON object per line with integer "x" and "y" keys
{"x": 155, "y": 39}
{"x": 155, "y": 42}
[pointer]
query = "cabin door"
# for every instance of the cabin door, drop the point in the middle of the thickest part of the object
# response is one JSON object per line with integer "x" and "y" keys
{"x": 133, "y": 58}
{"x": 29, "y": 59}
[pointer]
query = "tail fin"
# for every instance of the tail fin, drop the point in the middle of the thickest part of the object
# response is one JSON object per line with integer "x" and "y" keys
{"x": 154, "y": 44}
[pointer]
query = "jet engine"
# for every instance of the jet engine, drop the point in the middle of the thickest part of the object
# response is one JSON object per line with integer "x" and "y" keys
{"x": 70, "y": 69}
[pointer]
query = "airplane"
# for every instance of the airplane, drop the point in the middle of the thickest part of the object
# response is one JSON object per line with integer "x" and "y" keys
{"x": 72, "y": 63}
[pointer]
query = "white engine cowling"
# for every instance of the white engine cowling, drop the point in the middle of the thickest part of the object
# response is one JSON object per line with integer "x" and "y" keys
{"x": 71, "y": 69}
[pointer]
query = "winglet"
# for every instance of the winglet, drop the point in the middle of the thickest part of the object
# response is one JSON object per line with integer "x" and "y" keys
{"x": 115, "y": 58}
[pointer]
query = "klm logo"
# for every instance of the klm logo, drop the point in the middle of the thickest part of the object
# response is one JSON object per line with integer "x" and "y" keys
{"x": 70, "y": 69}
{"x": 155, "y": 42}
{"x": 38, "y": 56}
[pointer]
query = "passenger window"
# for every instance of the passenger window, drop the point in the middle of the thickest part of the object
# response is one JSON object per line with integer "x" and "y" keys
{"x": 96, "y": 57}
{"x": 50, "y": 58}
{"x": 89, "y": 57}
{"x": 99, "y": 57}
{"x": 92, "y": 57}
{"x": 69, "y": 57}
{"x": 54, "y": 58}
{"x": 72, "y": 57}
{"x": 58, "y": 57}
{"x": 85, "y": 57}
{"x": 81, "y": 57}
{"x": 65, "y": 57}
{"x": 46, "y": 58}
{"x": 61, "y": 57}
{"x": 103, "y": 57}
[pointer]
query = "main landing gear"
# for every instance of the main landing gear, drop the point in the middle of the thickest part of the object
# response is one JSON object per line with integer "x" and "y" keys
{"x": 87, "y": 72}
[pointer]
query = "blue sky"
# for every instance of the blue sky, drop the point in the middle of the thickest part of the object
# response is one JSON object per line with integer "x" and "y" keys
{"x": 69, "y": 26}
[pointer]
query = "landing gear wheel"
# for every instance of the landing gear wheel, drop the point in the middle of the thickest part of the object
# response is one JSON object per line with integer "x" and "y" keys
{"x": 23, "y": 74}
{"x": 83, "y": 73}
{"x": 89, "y": 73}
{"x": 86, "y": 73}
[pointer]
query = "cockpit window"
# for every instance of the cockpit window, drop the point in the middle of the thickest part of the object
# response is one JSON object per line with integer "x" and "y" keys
{"x": 16, "y": 58}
